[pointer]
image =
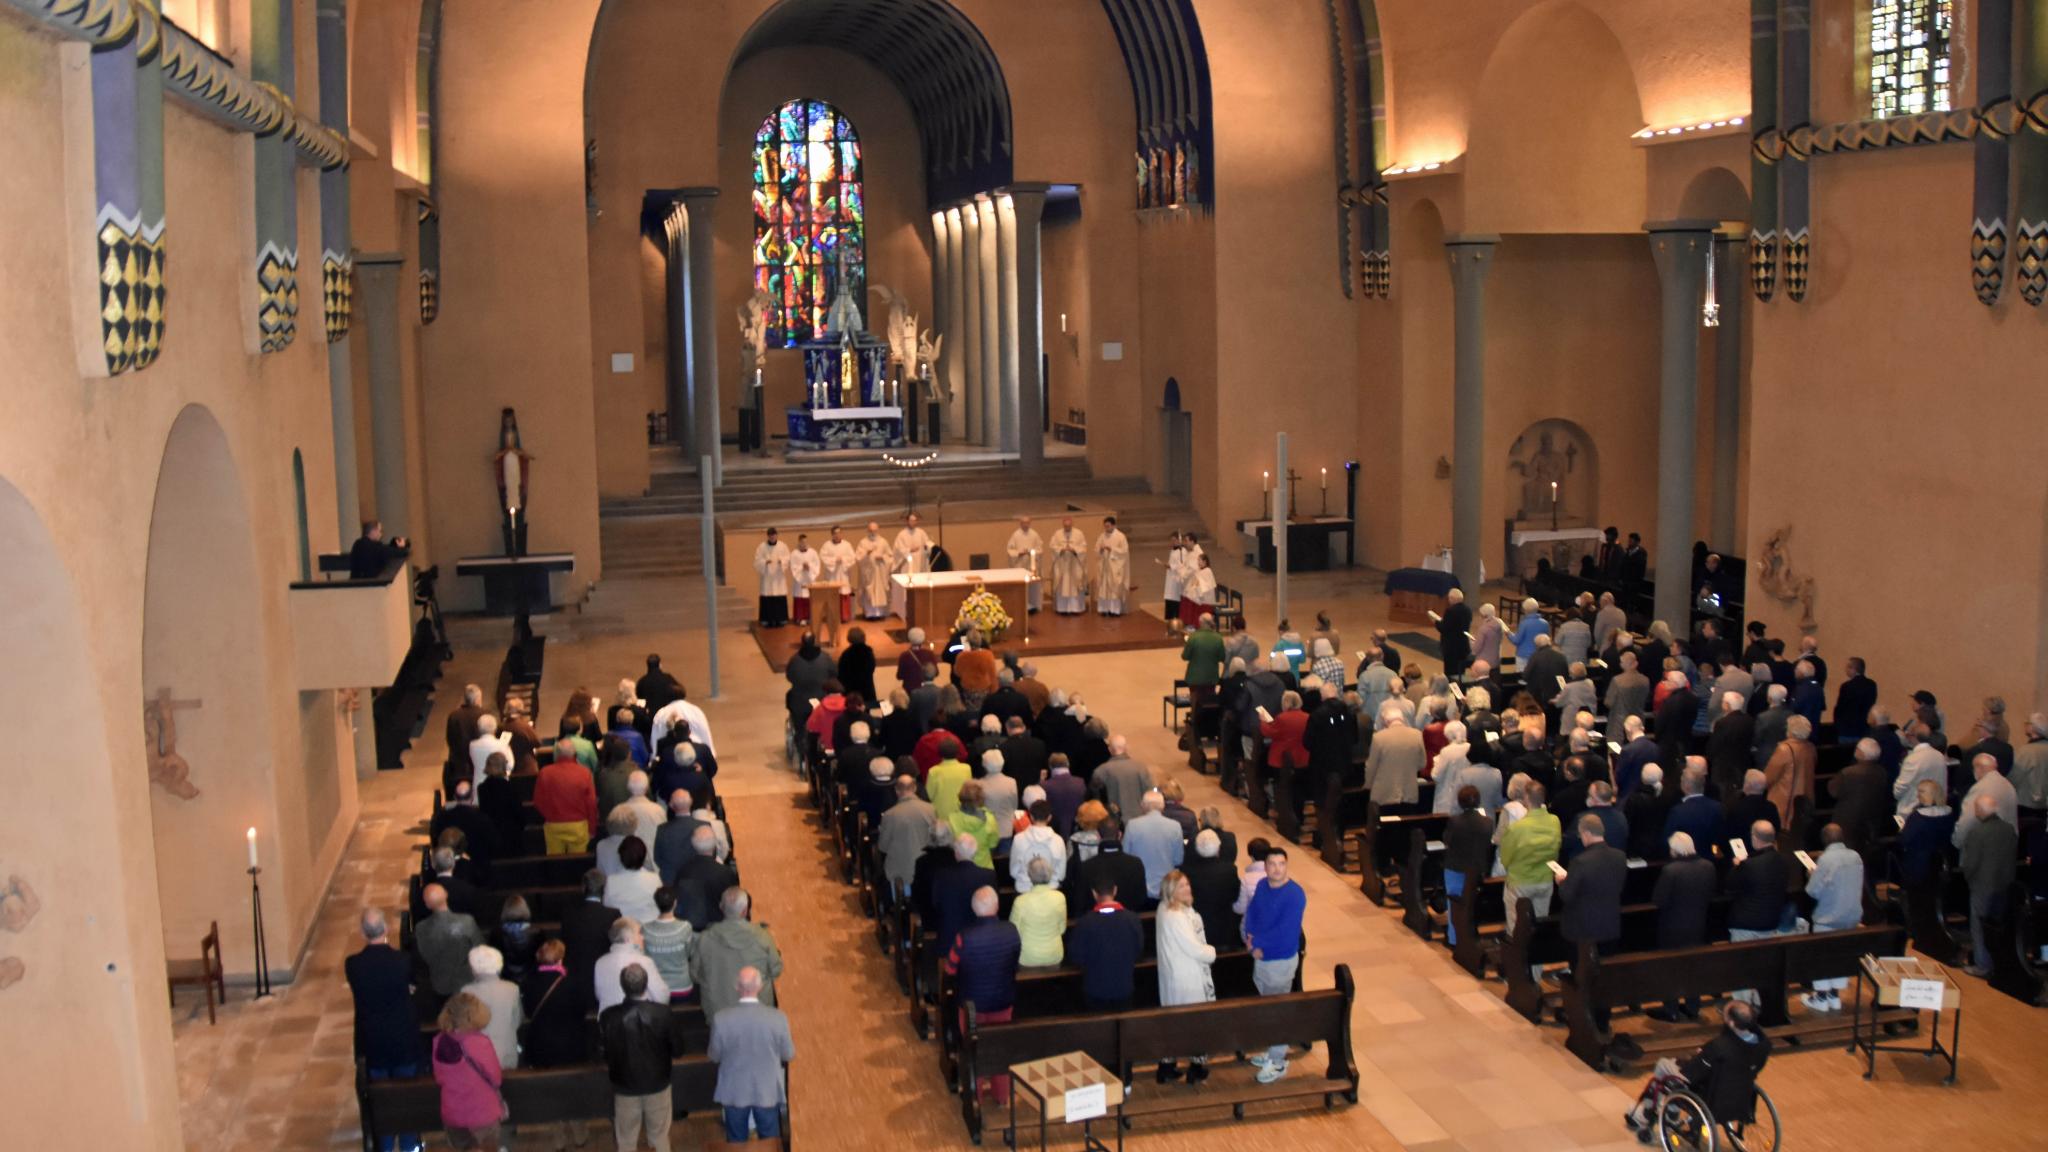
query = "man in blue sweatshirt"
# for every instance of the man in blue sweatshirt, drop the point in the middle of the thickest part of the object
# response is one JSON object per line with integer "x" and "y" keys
{"x": 1272, "y": 930}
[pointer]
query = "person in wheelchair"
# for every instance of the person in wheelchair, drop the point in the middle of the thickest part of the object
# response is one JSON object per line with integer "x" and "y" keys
{"x": 1722, "y": 1074}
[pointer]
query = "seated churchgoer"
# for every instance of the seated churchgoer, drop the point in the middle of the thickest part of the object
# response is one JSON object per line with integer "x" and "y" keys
{"x": 626, "y": 952}
{"x": 640, "y": 1051}
{"x": 1106, "y": 944}
{"x": 1723, "y": 1074}
{"x": 371, "y": 554}
{"x": 1040, "y": 915}
{"x": 735, "y": 942}
{"x": 668, "y": 941}
{"x": 750, "y": 1043}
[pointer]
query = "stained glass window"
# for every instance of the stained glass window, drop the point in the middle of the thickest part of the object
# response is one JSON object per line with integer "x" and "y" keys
{"x": 1909, "y": 64}
{"x": 809, "y": 217}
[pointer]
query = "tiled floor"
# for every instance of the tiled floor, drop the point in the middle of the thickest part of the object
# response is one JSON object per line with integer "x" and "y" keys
{"x": 1446, "y": 1066}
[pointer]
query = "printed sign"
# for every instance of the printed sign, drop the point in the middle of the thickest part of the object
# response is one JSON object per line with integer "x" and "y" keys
{"x": 1912, "y": 994}
{"x": 1092, "y": 1101}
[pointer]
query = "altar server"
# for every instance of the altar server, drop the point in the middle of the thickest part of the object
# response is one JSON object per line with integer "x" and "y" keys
{"x": 837, "y": 558}
{"x": 771, "y": 563}
{"x": 805, "y": 565}
{"x": 1176, "y": 576}
{"x": 1024, "y": 548}
{"x": 1069, "y": 569}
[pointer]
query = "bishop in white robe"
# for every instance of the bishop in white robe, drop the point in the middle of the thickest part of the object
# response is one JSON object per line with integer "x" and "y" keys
{"x": 873, "y": 563}
{"x": 1112, "y": 569}
{"x": 1069, "y": 569}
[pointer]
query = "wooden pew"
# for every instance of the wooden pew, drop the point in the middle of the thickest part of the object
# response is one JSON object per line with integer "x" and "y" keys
{"x": 1768, "y": 965}
{"x": 1384, "y": 836}
{"x": 1124, "y": 1040}
{"x": 1539, "y": 940}
{"x": 533, "y": 1096}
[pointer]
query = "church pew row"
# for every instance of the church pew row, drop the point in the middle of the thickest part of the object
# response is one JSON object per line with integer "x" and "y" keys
{"x": 1770, "y": 966}
{"x": 1538, "y": 941}
{"x": 687, "y": 1024}
{"x": 1126, "y": 1040}
{"x": 532, "y": 1096}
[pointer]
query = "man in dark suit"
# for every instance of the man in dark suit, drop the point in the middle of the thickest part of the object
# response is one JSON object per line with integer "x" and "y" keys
{"x": 587, "y": 935}
{"x": 657, "y": 689}
{"x": 479, "y": 835}
{"x": 1757, "y": 892}
{"x": 1110, "y": 865}
{"x": 1215, "y": 884}
{"x": 1683, "y": 895}
{"x": 1024, "y": 755}
{"x": 387, "y": 1034}
{"x": 1853, "y": 702}
{"x": 672, "y": 848}
{"x": 1607, "y": 559}
{"x": 1635, "y": 561}
{"x": 952, "y": 892}
{"x": 1730, "y": 744}
{"x": 463, "y": 896}
{"x": 1645, "y": 810}
{"x": 1672, "y": 722}
{"x": 1863, "y": 797}
{"x": 1006, "y": 703}
{"x": 1696, "y": 814}
{"x": 1750, "y": 808}
{"x": 1544, "y": 677}
{"x": 1638, "y": 750}
{"x": 1591, "y": 890}
{"x": 1451, "y": 638}
{"x": 702, "y": 880}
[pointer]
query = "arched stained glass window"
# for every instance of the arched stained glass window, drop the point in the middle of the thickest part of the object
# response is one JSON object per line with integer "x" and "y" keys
{"x": 1909, "y": 56}
{"x": 809, "y": 217}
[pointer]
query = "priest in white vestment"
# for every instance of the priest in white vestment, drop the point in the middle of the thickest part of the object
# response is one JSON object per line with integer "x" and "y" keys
{"x": 771, "y": 563}
{"x": 1069, "y": 569}
{"x": 913, "y": 548}
{"x": 837, "y": 559}
{"x": 804, "y": 569}
{"x": 1112, "y": 569}
{"x": 1024, "y": 549}
{"x": 873, "y": 561}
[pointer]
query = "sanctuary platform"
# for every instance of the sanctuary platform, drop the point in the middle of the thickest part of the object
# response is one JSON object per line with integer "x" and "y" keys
{"x": 1046, "y": 634}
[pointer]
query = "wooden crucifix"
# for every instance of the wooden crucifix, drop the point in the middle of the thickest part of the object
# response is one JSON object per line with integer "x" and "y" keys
{"x": 167, "y": 769}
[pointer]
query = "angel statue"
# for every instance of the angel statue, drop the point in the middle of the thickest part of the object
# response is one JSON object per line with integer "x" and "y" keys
{"x": 901, "y": 332}
{"x": 928, "y": 354}
{"x": 754, "y": 330}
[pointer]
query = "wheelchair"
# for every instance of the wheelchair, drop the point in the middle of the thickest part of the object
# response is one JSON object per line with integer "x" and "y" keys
{"x": 1685, "y": 1124}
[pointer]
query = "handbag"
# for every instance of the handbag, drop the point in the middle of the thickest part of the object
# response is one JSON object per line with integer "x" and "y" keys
{"x": 526, "y": 1026}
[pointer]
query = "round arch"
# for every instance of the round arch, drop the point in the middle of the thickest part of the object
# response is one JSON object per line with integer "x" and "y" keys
{"x": 1553, "y": 451}
{"x": 1713, "y": 194}
{"x": 206, "y": 727}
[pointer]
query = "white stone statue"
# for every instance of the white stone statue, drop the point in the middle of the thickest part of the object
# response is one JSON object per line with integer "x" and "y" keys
{"x": 902, "y": 331}
{"x": 754, "y": 330}
{"x": 928, "y": 356}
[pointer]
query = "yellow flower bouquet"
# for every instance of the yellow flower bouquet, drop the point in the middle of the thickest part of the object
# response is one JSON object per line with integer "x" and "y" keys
{"x": 983, "y": 611}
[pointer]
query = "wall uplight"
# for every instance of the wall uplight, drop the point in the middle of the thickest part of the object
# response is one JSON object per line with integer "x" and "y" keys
{"x": 1703, "y": 127}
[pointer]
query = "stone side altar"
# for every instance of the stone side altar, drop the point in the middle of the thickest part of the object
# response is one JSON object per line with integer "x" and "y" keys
{"x": 849, "y": 401}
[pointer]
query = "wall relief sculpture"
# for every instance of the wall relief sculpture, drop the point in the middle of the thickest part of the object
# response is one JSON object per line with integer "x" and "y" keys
{"x": 167, "y": 769}
{"x": 18, "y": 906}
{"x": 1776, "y": 577}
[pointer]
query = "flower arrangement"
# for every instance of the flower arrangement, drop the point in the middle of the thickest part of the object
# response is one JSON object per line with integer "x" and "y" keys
{"x": 983, "y": 611}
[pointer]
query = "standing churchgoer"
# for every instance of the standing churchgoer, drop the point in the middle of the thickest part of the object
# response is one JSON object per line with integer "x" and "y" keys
{"x": 1527, "y": 850}
{"x": 466, "y": 1068}
{"x": 1185, "y": 960}
{"x": 1039, "y": 914}
{"x": 751, "y": 1045}
{"x": 640, "y": 1051}
{"x": 1105, "y": 943}
{"x": 1836, "y": 886}
{"x": 1272, "y": 930}
{"x": 771, "y": 564}
{"x": 1988, "y": 857}
{"x": 735, "y": 942}
{"x": 387, "y": 1036}
{"x": 565, "y": 795}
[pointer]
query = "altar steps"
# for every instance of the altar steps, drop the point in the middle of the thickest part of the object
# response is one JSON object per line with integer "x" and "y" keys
{"x": 868, "y": 486}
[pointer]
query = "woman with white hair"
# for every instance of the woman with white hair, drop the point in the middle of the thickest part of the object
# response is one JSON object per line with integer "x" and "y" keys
{"x": 1531, "y": 626}
{"x": 1789, "y": 774}
{"x": 1486, "y": 634}
{"x": 1326, "y": 667}
{"x": 488, "y": 984}
{"x": 1451, "y": 760}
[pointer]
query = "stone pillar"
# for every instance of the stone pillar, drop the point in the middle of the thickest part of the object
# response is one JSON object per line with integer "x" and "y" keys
{"x": 942, "y": 274}
{"x": 970, "y": 327}
{"x": 682, "y": 420}
{"x": 705, "y": 406}
{"x": 991, "y": 326}
{"x": 341, "y": 404}
{"x": 377, "y": 288}
{"x": 1471, "y": 258}
{"x": 1028, "y": 204}
{"x": 1730, "y": 264}
{"x": 1006, "y": 321}
{"x": 1680, "y": 247}
{"x": 953, "y": 353}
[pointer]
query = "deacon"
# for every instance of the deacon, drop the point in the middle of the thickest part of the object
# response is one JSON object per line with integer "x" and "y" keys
{"x": 913, "y": 548}
{"x": 837, "y": 560}
{"x": 805, "y": 565}
{"x": 872, "y": 562}
{"x": 1112, "y": 569}
{"x": 771, "y": 562}
{"x": 1023, "y": 548}
{"x": 1069, "y": 569}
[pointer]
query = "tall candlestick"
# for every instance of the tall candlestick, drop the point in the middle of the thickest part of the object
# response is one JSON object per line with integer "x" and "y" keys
{"x": 252, "y": 847}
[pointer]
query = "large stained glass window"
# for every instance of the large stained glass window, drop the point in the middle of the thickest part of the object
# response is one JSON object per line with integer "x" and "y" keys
{"x": 1909, "y": 63}
{"x": 809, "y": 217}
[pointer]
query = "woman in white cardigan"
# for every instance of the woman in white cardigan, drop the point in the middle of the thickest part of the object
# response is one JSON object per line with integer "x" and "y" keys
{"x": 1185, "y": 960}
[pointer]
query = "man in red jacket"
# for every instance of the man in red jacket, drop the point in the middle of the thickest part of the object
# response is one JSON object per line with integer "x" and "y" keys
{"x": 566, "y": 796}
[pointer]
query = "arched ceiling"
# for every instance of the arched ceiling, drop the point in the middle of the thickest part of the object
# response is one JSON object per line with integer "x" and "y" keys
{"x": 1162, "y": 47}
{"x": 936, "y": 57}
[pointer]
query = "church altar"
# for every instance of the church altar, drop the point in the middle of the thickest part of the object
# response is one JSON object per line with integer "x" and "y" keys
{"x": 931, "y": 600}
{"x": 849, "y": 401}
{"x": 1563, "y": 547}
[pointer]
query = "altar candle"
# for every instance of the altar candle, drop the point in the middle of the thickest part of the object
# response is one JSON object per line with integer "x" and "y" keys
{"x": 252, "y": 847}
{"x": 1326, "y": 479}
{"x": 1553, "y": 491}
{"x": 1265, "y": 481}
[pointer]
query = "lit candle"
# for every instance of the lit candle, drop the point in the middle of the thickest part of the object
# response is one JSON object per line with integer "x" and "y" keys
{"x": 1326, "y": 479}
{"x": 1265, "y": 481}
{"x": 1553, "y": 491}
{"x": 252, "y": 847}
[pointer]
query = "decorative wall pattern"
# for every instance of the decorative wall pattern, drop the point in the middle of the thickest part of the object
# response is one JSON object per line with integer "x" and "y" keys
{"x": 273, "y": 61}
{"x": 277, "y": 307}
{"x": 1360, "y": 116}
{"x": 1162, "y": 47}
{"x": 337, "y": 262}
{"x": 1991, "y": 199}
{"x": 1765, "y": 148}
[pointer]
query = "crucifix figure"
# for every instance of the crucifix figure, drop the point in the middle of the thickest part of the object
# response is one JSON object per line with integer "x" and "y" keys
{"x": 167, "y": 769}
{"x": 1293, "y": 501}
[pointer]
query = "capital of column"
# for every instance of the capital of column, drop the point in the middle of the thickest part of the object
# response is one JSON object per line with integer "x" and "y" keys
{"x": 1471, "y": 255}
{"x": 1680, "y": 246}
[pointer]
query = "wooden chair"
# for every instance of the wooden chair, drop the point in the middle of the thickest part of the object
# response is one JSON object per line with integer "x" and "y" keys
{"x": 1174, "y": 706}
{"x": 207, "y": 972}
{"x": 1229, "y": 610}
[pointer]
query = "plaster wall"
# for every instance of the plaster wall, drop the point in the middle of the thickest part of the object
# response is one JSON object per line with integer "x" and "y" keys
{"x": 84, "y": 457}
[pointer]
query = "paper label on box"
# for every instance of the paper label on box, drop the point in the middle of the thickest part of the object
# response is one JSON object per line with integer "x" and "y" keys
{"x": 1917, "y": 994}
{"x": 1092, "y": 1101}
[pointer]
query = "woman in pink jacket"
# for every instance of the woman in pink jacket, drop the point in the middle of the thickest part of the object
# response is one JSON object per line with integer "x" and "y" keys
{"x": 466, "y": 1068}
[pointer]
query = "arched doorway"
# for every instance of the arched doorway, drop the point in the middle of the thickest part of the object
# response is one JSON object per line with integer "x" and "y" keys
{"x": 65, "y": 926}
{"x": 1177, "y": 443}
{"x": 206, "y": 724}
